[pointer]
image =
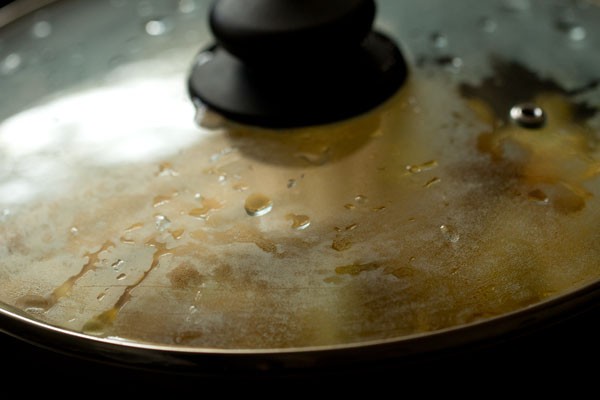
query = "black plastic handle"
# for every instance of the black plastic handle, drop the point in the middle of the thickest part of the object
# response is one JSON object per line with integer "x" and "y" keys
{"x": 291, "y": 63}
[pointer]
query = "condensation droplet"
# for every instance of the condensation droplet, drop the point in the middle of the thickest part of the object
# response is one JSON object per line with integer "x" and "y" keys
{"x": 319, "y": 157}
{"x": 577, "y": 33}
{"x": 11, "y": 63}
{"x": 240, "y": 187}
{"x": 117, "y": 264}
{"x": 299, "y": 222}
{"x": 166, "y": 169}
{"x": 162, "y": 222}
{"x": 538, "y": 196}
{"x": 418, "y": 168}
{"x": 292, "y": 183}
{"x": 41, "y": 29}
{"x": 120, "y": 277}
{"x": 432, "y": 182}
{"x": 4, "y": 214}
{"x": 489, "y": 25}
{"x": 361, "y": 199}
{"x": 439, "y": 40}
{"x": 186, "y": 6}
{"x": 257, "y": 205}
{"x": 101, "y": 296}
{"x": 157, "y": 27}
{"x": 349, "y": 206}
{"x": 74, "y": 231}
{"x": 218, "y": 156}
{"x": 450, "y": 233}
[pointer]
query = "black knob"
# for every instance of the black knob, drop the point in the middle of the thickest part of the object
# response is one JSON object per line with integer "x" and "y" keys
{"x": 263, "y": 31}
{"x": 290, "y": 63}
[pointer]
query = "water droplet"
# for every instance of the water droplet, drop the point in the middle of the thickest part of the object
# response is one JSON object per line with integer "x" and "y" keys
{"x": 351, "y": 227}
{"x": 177, "y": 234}
{"x": 418, "y": 168}
{"x": 41, "y": 29}
{"x": 166, "y": 169}
{"x": 257, "y": 205}
{"x": 162, "y": 222}
{"x": 319, "y": 157}
{"x": 11, "y": 63}
{"x": 439, "y": 40}
{"x": 292, "y": 183}
{"x": 379, "y": 208}
{"x": 528, "y": 115}
{"x": 349, "y": 206}
{"x": 538, "y": 196}
{"x": 361, "y": 199}
{"x": 450, "y": 233}
{"x": 160, "y": 201}
{"x": 217, "y": 156}
{"x": 120, "y": 277}
{"x": 207, "y": 207}
{"x": 74, "y": 231}
{"x": 341, "y": 244}
{"x": 157, "y": 27}
{"x": 489, "y": 25}
{"x": 4, "y": 214}
{"x": 186, "y": 6}
{"x": 117, "y": 264}
{"x": 240, "y": 187}
{"x": 577, "y": 33}
{"x": 299, "y": 222}
{"x": 432, "y": 182}
{"x": 101, "y": 296}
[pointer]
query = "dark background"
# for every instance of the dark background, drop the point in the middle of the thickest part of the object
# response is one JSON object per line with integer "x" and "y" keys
{"x": 4, "y": 2}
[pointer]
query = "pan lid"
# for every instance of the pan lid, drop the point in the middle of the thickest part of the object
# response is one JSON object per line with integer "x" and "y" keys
{"x": 132, "y": 215}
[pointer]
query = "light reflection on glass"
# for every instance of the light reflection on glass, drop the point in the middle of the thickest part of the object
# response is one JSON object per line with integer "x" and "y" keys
{"x": 44, "y": 147}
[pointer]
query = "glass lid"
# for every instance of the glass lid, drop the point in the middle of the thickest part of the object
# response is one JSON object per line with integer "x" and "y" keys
{"x": 132, "y": 214}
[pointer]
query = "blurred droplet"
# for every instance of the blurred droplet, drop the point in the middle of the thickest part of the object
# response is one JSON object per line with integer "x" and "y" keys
{"x": 577, "y": 33}
{"x": 361, "y": 199}
{"x": 489, "y": 25}
{"x": 41, "y": 30}
{"x": 117, "y": 264}
{"x": 4, "y": 214}
{"x": 74, "y": 231}
{"x": 186, "y": 6}
{"x": 162, "y": 222}
{"x": 450, "y": 233}
{"x": 11, "y": 63}
{"x": 439, "y": 40}
{"x": 157, "y": 27}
